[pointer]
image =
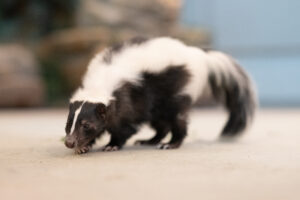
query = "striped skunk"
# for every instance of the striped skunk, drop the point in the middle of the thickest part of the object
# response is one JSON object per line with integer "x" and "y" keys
{"x": 155, "y": 81}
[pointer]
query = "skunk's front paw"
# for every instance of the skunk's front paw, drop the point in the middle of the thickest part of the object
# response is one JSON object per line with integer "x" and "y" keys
{"x": 82, "y": 150}
{"x": 111, "y": 148}
{"x": 168, "y": 146}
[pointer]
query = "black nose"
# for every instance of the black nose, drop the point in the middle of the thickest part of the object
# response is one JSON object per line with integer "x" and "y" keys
{"x": 70, "y": 142}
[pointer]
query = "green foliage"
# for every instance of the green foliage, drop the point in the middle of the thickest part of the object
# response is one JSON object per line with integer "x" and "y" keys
{"x": 55, "y": 84}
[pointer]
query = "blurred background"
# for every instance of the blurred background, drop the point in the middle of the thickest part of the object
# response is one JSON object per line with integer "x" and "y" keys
{"x": 45, "y": 45}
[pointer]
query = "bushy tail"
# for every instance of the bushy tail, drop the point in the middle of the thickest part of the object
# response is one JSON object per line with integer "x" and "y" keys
{"x": 232, "y": 87}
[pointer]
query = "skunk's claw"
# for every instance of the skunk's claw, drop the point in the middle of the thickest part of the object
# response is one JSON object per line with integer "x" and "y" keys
{"x": 82, "y": 150}
{"x": 111, "y": 148}
{"x": 168, "y": 146}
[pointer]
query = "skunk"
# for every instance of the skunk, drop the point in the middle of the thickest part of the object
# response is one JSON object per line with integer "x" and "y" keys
{"x": 156, "y": 81}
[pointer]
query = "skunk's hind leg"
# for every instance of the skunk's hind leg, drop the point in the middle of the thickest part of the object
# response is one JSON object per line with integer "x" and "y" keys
{"x": 178, "y": 120}
{"x": 179, "y": 131}
{"x": 162, "y": 128}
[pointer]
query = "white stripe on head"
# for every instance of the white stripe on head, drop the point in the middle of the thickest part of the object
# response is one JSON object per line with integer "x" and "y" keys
{"x": 75, "y": 118}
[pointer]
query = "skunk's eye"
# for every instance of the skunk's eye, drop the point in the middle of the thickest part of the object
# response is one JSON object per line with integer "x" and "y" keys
{"x": 86, "y": 126}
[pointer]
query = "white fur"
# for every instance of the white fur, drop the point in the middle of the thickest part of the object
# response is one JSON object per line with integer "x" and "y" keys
{"x": 220, "y": 63}
{"x": 75, "y": 118}
{"x": 155, "y": 55}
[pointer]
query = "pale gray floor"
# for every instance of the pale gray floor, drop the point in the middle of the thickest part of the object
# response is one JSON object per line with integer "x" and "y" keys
{"x": 264, "y": 164}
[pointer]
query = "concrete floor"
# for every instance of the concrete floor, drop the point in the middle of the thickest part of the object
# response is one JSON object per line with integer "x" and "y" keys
{"x": 264, "y": 164}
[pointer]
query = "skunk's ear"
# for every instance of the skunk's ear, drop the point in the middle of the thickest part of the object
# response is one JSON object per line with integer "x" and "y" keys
{"x": 101, "y": 110}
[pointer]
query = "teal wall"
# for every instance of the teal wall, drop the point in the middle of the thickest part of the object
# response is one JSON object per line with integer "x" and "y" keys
{"x": 263, "y": 35}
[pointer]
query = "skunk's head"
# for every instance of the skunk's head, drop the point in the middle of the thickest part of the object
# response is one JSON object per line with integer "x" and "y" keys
{"x": 86, "y": 121}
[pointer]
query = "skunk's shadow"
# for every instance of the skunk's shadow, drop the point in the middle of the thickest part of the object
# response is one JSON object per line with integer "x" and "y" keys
{"x": 63, "y": 152}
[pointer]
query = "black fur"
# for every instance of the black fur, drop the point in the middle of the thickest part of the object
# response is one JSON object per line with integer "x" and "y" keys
{"x": 237, "y": 98}
{"x": 72, "y": 108}
{"x": 207, "y": 49}
{"x": 155, "y": 99}
{"x": 90, "y": 124}
{"x": 137, "y": 40}
{"x": 107, "y": 58}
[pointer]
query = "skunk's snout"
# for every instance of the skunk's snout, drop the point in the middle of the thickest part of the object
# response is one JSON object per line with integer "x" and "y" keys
{"x": 70, "y": 142}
